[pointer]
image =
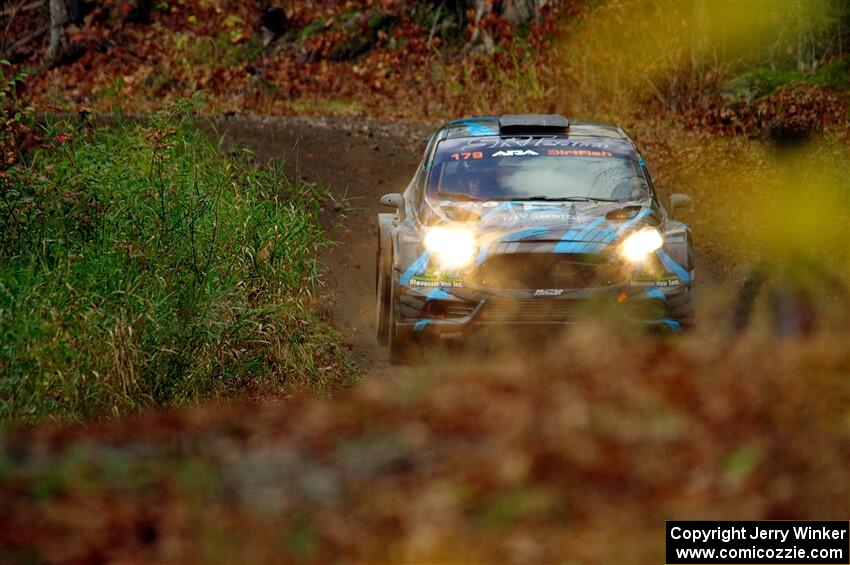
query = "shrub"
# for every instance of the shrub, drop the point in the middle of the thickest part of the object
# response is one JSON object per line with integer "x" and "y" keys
{"x": 16, "y": 133}
{"x": 139, "y": 266}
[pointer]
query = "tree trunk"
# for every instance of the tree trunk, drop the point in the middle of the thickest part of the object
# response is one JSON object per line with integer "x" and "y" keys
{"x": 62, "y": 12}
{"x": 480, "y": 36}
{"x": 520, "y": 11}
{"x": 516, "y": 12}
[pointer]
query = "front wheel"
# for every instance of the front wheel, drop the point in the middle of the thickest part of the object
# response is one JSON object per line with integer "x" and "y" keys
{"x": 683, "y": 310}
{"x": 405, "y": 348}
{"x": 383, "y": 293}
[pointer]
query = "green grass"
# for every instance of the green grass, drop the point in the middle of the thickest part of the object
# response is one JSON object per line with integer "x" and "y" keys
{"x": 835, "y": 74}
{"x": 763, "y": 81}
{"x": 220, "y": 51}
{"x": 140, "y": 267}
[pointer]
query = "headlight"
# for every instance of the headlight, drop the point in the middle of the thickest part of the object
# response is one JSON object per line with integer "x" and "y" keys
{"x": 453, "y": 247}
{"x": 639, "y": 245}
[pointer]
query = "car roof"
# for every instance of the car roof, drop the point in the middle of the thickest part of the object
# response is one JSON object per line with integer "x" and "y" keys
{"x": 490, "y": 126}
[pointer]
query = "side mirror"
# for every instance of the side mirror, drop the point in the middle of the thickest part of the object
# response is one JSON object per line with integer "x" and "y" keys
{"x": 680, "y": 202}
{"x": 394, "y": 200}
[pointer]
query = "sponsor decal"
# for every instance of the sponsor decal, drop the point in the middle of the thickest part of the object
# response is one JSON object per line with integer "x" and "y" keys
{"x": 433, "y": 278}
{"x": 450, "y": 284}
{"x": 515, "y": 153}
{"x": 578, "y": 153}
{"x": 507, "y": 143}
{"x": 549, "y": 292}
{"x": 549, "y": 216}
{"x": 663, "y": 282}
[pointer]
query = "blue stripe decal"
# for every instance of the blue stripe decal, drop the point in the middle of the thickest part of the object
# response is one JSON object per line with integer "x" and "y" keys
{"x": 420, "y": 325}
{"x": 582, "y": 236}
{"x": 655, "y": 293}
{"x": 522, "y": 234}
{"x": 437, "y": 294}
{"x": 566, "y": 246}
{"x": 673, "y": 325}
{"x": 476, "y": 128}
{"x": 590, "y": 247}
{"x": 416, "y": 267}
{"x": 671, "y": 265}
{"x": 589, "y": 236}
{"x": 571, "y": 247}
{"x": 610, "y": 235}
{"x": 631, "y": 222}
{"x": 600, "y": 234}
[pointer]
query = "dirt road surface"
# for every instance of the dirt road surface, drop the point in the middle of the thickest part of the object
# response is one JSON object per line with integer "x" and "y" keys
{"x": 359, "y": 160}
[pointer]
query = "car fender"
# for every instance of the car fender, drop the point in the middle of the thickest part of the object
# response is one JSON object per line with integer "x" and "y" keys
{"x": 677, "y": 244}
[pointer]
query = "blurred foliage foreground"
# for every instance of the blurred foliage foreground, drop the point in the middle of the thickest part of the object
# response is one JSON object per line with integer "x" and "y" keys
{"x": 139, "y": 266}
{"x": 578, "y": 455}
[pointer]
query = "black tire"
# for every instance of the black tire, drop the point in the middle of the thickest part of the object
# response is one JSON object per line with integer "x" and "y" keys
{"x": 383, "y": 292}
{"x": 405, "y": 348}
{"x": 683, "y": 310}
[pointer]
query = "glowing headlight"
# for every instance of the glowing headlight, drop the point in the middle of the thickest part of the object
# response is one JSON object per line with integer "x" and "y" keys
{"x": 453, "y": 247}
{"x": 637, "y": 246}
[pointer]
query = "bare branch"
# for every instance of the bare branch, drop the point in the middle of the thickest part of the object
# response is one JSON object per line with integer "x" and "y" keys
{"x": 12, "y": 11}
{"x": 10, "y": 51}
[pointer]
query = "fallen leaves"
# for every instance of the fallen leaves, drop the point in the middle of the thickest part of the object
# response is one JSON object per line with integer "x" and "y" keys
{"x": 377, "y": 56}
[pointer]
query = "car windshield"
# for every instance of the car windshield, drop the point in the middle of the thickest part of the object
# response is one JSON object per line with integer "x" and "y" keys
{"x": 536, "y": 169}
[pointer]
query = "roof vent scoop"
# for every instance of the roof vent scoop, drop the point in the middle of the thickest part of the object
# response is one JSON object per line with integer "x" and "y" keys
{"x": 533, "y": 123}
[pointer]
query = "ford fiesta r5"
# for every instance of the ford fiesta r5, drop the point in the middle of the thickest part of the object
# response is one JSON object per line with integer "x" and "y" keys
{"x": 528, "y": 220}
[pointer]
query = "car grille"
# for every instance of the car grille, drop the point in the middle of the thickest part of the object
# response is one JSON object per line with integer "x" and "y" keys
{"x": 448, "y": 309}
{"x": 530, "y": 310}
{"x": 544, "y": 270}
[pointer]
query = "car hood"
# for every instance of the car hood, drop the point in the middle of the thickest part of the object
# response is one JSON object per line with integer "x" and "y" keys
{"x": 541, "y": 221}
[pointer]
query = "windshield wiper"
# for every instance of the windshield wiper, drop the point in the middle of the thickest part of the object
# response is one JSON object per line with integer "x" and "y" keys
{"x": 570, "y": 199}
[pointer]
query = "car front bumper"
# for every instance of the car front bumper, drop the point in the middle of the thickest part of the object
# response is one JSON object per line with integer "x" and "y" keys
{"x": 463, "y": 310}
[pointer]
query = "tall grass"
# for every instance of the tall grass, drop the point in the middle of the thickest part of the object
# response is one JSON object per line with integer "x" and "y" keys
{"x": 139, "y": 266}
{"x": 622, "y": 55}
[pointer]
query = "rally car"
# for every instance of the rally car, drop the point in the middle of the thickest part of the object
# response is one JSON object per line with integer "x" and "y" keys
{"x": 528, "y": 220}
